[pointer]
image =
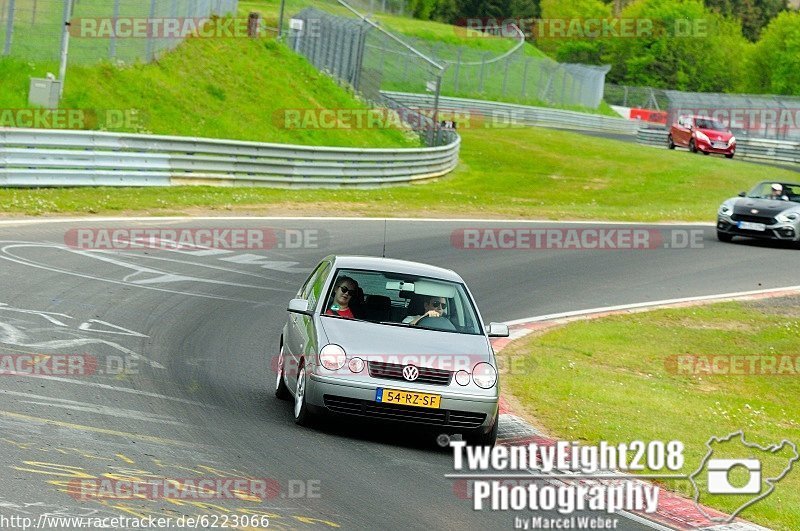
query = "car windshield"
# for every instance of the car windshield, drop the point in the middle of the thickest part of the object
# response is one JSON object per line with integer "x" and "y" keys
{"x": 707, "y": 123}
{"x": 394, "y": 299}
{"x": 786, "y": 192}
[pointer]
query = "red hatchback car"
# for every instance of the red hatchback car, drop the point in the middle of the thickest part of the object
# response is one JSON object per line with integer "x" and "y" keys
{"x": 701, "y": 133}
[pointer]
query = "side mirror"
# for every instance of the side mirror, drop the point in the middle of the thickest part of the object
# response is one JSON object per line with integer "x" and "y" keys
{"x": 497, "y": 330}
{"x": 742, "y": 194}
{"x": 299, "y": 306}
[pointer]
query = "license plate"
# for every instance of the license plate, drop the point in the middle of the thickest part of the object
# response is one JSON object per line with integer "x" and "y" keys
{"x": 407, "y": 398}
{"x": 719, "y": 144}
{"x": 746, "y": 225}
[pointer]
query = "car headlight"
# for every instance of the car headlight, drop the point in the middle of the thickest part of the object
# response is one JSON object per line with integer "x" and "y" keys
{"x": 484, "y": 375}
{"x": 332, "y": 357}
{"x": 726, "y": 209}
{"x": 702, "y": 136}
{"x": 788, "y": 218}
{"x": 732, "y": 140}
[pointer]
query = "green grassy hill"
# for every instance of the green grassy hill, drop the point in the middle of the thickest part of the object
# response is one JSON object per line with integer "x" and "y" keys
{"x": 222, "y": 88}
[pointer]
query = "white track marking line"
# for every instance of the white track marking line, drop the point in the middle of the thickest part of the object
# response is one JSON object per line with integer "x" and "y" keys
{"x": 50, "y": 401}
{"x": 113, "y": 388}
{"x": 152, "y": 220}
{"x": 732, "y": 295}
{"x": 13, "y": 258}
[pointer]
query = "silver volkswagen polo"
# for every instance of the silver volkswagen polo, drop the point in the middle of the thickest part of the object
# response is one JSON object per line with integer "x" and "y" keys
{"x": 390, "y": 340}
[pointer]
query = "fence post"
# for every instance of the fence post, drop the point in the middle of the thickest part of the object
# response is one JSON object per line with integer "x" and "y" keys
{"x": 505, "y": 75}
{"x": 149, "y": 49}
{"x": 483, "y": 70}
{"x": 525, "y": 77}
{"x": 9, "y": 28}
{"x": 112, "y": 45}
{"x": 458, "y": 69}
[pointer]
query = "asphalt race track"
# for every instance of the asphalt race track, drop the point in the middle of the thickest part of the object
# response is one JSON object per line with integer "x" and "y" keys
{"x": 184, "y": 342}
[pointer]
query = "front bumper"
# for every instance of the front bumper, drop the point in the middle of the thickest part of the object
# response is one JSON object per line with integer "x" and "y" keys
{"x": 707, "y": 147}
{"x": 777, "y": 231}
{"x": 457, "y": 411}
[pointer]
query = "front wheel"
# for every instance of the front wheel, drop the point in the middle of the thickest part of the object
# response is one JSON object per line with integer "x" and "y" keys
{"x": 302, "y": 415}
{"x": 281, "y": 391}
{"x": 670, "y": 143}
{"x": 729, "y": 156}
{"x": 724, "y": 237}
{"x": 692, "y": 146}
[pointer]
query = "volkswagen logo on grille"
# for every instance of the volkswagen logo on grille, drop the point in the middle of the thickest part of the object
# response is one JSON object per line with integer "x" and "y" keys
{"x": 754, "y": 211}
{"x": 410, "y": 373}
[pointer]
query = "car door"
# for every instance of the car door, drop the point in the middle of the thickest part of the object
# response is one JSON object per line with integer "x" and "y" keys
{"x": 300, "y": 331}
{"x": 680, "y": 135}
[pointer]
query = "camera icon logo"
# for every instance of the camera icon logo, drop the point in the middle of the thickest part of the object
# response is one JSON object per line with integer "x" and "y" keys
{"x": 747, "y": 477}
{"x": 719, "y": 472}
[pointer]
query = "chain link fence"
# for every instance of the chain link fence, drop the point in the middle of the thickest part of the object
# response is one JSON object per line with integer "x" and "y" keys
{"x": 515, "y": 76}
{"x": 746, "y": 115}
{"x": 362, "y": 56}
{"x": 116, "y": 30}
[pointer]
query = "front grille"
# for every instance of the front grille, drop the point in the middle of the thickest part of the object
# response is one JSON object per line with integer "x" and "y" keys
{"x": 436, "y": 417}
{"x": 394, "y": 371}
{"x": 753, "y": 219}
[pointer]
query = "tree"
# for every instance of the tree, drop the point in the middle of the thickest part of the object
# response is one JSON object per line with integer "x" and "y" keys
{"x": 774, "y": 63}
{"x": 689, "y": 48}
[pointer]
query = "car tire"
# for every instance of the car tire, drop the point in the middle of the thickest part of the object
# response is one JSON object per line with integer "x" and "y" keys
{"x": 281, "y": 390}
{"x": 692, "y": 146}
{"x": 302, "y": 414}
{"x": 724, "y": 237}
{"x": 729, "y": 156}
{"x": 705, "y": 152}
{"x": 484, "y": 439}
{"x": 670, "y": 143}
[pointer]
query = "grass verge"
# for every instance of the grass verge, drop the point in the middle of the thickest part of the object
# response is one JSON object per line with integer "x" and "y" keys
{"x": 618, "y": 379}
{"x": 529, "y": 173}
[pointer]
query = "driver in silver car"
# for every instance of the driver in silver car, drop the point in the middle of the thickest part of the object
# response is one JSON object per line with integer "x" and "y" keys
{"x": 434, "y": 307}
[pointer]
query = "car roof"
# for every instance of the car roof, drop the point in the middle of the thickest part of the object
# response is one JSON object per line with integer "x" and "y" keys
{"x": 395, "y": 266}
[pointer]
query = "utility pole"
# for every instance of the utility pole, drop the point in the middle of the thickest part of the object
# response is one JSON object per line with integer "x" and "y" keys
{"x": 62, "y": 71}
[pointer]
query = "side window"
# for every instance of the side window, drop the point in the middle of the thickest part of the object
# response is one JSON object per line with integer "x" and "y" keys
{"x": 680, "y": 120}
{"x": 316, "y": 286}
{"x": 304, "y": 291}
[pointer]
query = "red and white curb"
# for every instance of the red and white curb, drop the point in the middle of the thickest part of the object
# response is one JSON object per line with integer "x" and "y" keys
{"x": 674, "y": 511}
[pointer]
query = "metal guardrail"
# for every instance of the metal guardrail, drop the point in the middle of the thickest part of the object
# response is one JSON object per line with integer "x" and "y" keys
{"x": 40, "y": 157}
{"x": 510, "y": 115}
{"x": 780, "y": 151}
